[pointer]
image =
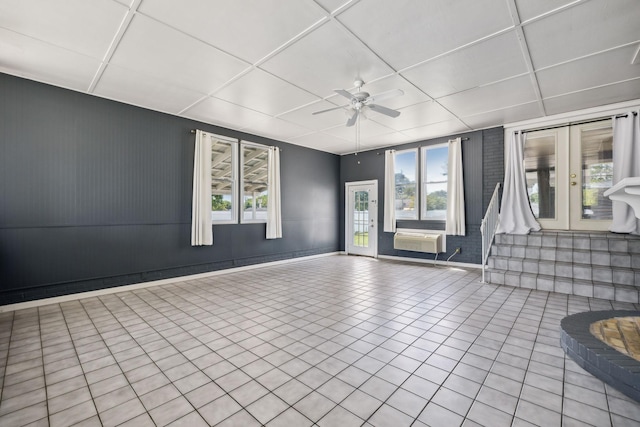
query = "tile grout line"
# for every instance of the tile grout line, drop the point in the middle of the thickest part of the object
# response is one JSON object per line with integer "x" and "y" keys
{"x": 46, "y": 392}
{"x": 6, "y": 358}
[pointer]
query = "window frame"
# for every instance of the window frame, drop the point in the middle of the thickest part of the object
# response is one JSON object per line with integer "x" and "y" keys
{"x": 233, "y": 143}
{"x": 241, "y": 198}
{"x": 423, "y": 181}
{"x": 416, "y": 208}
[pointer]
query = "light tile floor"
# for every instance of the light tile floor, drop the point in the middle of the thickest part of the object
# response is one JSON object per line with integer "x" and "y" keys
{"x": 334, "y": 341}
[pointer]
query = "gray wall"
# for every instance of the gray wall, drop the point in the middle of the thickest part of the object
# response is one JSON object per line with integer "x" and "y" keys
{"x": 95, "y": 194}
{"x": 482, "y": 158}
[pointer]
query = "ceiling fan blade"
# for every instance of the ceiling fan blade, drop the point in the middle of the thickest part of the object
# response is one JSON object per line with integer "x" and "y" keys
{"x": 384, "y": 110}
{"x": 329, "y": 109}
{"x": 385, "y": 95}
{"x": 352, "y": 120}
{"x": 343, "y": 93}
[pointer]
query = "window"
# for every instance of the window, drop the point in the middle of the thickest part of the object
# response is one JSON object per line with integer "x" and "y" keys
{"x": 435, "y": 160}
{"x": 254, "y": 182}
{"x": 224, "y": 155}
{"x": 406, "y": 172}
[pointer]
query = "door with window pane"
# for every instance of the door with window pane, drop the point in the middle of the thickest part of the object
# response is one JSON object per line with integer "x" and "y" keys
{"x": 567, "y": 170}
{"x": 590, "y": 175}
{"x": 361, "y": 218}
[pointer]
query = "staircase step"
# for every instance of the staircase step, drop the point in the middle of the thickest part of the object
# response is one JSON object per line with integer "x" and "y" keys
{"x": 568, "y": 270}
{"x": 599, "y": 264}
{"x": 576, "y": 256}
{"x": 597, "y": 241}
{"x": 551, "y": 283}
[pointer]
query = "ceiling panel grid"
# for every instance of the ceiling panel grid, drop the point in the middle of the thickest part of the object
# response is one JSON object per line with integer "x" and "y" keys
{"x": 264, "y": 66}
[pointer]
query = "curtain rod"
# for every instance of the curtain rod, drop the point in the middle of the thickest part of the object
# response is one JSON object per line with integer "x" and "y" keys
{"x": 584, "y": 122}
{"x": 194, "y": 131}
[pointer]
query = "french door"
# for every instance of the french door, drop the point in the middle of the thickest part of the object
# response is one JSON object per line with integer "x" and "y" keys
{"x": 361, "y": 218}
{"x": 568, "y": 169}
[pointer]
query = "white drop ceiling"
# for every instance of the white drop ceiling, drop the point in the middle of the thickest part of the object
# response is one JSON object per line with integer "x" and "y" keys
{"x": 263, "y": 66}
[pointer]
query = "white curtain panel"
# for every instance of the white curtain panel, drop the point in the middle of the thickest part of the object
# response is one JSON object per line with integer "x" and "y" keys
{"x": 274, "y": 213}
{"x": 390, "y": 191}
{"x": 455, "y": 224}
{"x": 626, "y": 163}
{"x": 515, "y": 211}
{"x": 201, "y": 229}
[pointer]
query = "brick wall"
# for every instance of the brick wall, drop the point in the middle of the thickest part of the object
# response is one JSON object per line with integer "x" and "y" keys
{"x": 493, "y": 162}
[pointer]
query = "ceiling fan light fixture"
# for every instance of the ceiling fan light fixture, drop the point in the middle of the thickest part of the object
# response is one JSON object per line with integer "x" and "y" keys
{"x": 361, "y": 101}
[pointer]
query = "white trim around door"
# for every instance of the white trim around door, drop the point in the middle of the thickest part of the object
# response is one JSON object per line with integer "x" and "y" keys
{"x": 361, "y": 218}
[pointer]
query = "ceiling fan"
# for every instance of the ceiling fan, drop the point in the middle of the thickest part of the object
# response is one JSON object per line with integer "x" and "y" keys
{"x": 362, "y": 101}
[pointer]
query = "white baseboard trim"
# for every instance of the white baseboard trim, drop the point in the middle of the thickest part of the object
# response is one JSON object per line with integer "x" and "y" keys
{"x": 135, "y": 286}
{"x": 432, "y": 262}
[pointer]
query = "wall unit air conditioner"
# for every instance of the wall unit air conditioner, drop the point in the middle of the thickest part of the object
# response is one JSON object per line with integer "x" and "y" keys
{"x": 425, "y": 241}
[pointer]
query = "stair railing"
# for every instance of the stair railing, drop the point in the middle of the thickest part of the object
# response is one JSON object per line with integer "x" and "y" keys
{"x": 489, "y": 226}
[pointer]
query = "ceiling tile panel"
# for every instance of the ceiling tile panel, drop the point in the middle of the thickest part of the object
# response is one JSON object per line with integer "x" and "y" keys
{"x": 83, "y": 26}
{"x": 528, "y": 9}
{"x": 324, "y": 142}
{"x": 435, "y": 130}
{"x": 326, "y": 59}
{"x": 152, "y": 48}
{"x": 223, "y": 113}
{"x": 510, "y": 92}
{"x": 27, "y": 57}
{"x": 333, "y": 5}
{"x": 265, "y": 93}
{"x": 507, "y": 115}
{"x": 589, "y": 72}
{"x": 424, "y": 113}
{"x": 276, "y": 128}
{"x": 304, "y": 116}
{"x": 407, "y": 32}
{"x": 368, "y": 129}
{"x": 587, "y": 28}
{"x": 393, "y": 138}
{"x": 144, "y": 91}
{"x": 492, "y": 60}
{"x": 619, "y": 92}
{"x": 247, "y": 29}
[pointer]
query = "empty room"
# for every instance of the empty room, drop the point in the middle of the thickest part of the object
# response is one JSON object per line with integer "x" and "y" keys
{"x": 320, "y": 213}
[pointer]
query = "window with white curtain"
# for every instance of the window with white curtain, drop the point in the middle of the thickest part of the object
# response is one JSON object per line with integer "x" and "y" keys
{"x": 224, "y": 177}
{"x": 434, "y": 182}
{"x": 406, "y": 174}
{"x": 254, "y": 174}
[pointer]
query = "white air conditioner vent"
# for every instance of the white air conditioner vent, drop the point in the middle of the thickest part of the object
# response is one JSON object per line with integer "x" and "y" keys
{"x": 428, "y": 242}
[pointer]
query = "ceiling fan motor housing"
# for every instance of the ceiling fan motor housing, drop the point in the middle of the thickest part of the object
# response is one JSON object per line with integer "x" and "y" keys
{"x": 358, "y": 100}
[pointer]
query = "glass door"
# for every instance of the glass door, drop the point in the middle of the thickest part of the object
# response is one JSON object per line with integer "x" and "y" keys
{"x": 361, "y": 218}
{"x": 545, "y": 157}
{"x": 591, "y": 174}
{"x": 567, "y": 170}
